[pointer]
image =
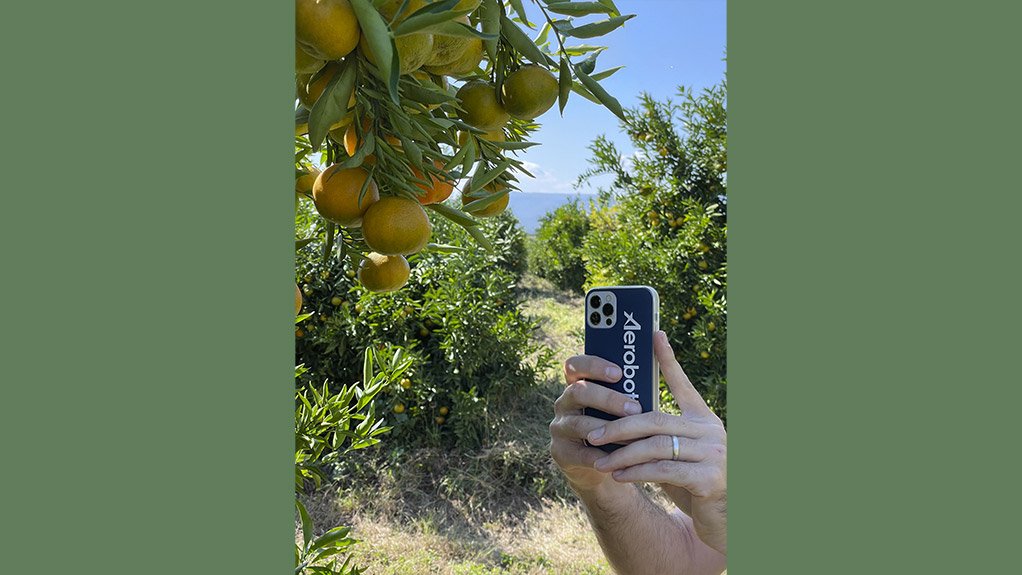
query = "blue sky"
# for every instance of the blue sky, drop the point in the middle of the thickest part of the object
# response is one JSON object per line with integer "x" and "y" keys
{"x": 669, "y": 43}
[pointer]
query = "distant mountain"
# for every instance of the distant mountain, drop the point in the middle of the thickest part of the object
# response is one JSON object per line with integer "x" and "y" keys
{"x": 530, "y": 207}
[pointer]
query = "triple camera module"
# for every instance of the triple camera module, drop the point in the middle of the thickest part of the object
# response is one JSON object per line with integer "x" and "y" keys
{"x": 601, "y": 309}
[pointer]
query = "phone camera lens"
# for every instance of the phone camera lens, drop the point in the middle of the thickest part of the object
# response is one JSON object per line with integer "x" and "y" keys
{"x": 609, "y": 321}
{"x": 608, "y": 309}
{"x": 594, "y": 318}
{"x": 595, "y": 301}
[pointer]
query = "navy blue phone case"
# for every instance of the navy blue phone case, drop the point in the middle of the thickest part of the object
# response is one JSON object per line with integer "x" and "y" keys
{"x": 625, "y": 339}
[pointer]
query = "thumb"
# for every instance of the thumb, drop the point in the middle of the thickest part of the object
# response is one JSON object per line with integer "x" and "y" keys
{"x": 689, "y": 400}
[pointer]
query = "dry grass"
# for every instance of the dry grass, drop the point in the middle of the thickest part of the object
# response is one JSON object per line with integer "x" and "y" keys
{"x": 504, "y": 509}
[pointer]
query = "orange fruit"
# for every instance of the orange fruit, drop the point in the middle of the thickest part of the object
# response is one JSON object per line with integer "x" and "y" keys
{"x": 380, "y": 273}
{"x": 326, "y": 29}
{"x": 412, "y": 51}
{"x": 304, "y": 182}
{"x": 406, "y": 383}
{"x": 440, "y": 420}
{"x": 463, "y": 65}
{"x": 399, "y": 408}
{"x": 396, "y": 226}
{"x": 298, "y": 300}
{"x": 492, "y": 209}
{"x": 351, "y": 140}
{"x": 336, "y": 194}
{"x": 439, "y": 191}
{"x": 444, "y": 410}
{"x": 447, "y": 49}
{"x": 480, "y": 107}
{"x": 306, "y": 63}
{"x": 529, "y": 92}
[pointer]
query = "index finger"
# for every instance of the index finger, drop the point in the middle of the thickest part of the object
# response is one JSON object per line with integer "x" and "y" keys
{"x": 590, "y": 367}
{"x": 689, "y": 400}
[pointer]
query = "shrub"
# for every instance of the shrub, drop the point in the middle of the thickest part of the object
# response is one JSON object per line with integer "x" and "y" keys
{"x": 556, "y": 252}
{"x": 457, "y": 322}
{"x": 663, "y": 222}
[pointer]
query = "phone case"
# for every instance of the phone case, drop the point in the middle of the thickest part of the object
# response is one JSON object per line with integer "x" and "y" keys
{"x": 625, "y": 338}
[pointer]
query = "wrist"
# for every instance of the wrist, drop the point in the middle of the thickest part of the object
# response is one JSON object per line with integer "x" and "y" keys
{"x": 606, "y": 493}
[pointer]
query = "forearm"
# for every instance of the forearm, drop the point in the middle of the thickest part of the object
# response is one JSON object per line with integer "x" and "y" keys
{"x": 637, "y": 535}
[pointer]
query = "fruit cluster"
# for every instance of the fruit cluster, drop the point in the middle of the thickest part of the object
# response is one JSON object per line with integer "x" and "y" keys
{"x": 377, "y": 100}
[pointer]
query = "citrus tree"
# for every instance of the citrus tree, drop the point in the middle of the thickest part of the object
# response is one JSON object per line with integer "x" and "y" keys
{"x": 400, "y": 101}
{"x": 663, "y": 222}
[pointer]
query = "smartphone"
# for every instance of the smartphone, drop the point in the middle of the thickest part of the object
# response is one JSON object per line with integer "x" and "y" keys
{"x": 619, "y": 325}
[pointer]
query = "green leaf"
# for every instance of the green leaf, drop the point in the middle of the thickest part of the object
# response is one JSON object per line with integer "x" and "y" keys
{"x": 332, "y": 105}
{"x": 456, "y": 159}
{"x": 306, "y": 521}
{"x": 509, "y": 145}
{"x": 445, "y": 249}
{"x": 470, "y": 156}
{"x": 455, "y": 215}
{"x": 520, "y": 11}
{"x": 521, "y": 42}
{"x": 489, "y": 15}
{"x": 596, "y": 28}
{"x": 419, "y": 22}
{"x": 606, "y": 73}
{"x": 332, "y": 536}
{"x": 480, "y": 180}
{"x": 299, "y": 244}
{"x": 563, "y": 84}
{"x": 610, "y": 4}
{"x": 480, "y": 238}
{"x": 481, "y": 203}
{"x": 543, "y": 37}
{"x": 367, "y": 366}
{"x": 578, "y": 8}
{"x": 602, "y": 95}
{"x": 331, "y": 229}
{"x": 458, "y": 29}
{"x": 579, "y": 89}
{"x": 582, "y": 49}
{"x": 381, "y": 42}
{"x": 588, "y": 64}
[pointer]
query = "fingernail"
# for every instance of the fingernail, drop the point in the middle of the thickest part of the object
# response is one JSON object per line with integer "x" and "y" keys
{"x": 600, "y": 463}
{"x": 614, "y": 373}
{"x": 596, "y": 434}
{"x": 632, "y": 407}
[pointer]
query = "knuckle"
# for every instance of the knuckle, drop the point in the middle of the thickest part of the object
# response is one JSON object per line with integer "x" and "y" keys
{"x": 659, "y": 419}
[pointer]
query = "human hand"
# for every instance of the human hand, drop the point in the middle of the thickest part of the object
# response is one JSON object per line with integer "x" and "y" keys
{"x": 569, "y": 427}
{"x": 696, "y": 478}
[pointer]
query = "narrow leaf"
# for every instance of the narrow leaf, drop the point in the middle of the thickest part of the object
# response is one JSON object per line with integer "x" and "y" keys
{"x": 331, "y": 229}
{"x": 380, "y": 41}
{"x": 606, "y": 73}
{"x": 418, "y": 22}
{"x": 480, "y": 238}
{"x": 306, "y": 521}
{"x": 489, "y": 15}
{"x": 455, "y": 215}
{"x": 520, "y": 11}
{"x": 598, "y": 28}
{"x": 332, "y": 105}
{"x": 485, "y": 201}
{"x": 458, "y": 29}
{"x": 602, "y": 95}
{"x": 480, "y": 180}
{"x": 578, "y": 8}
{"x": 520, "y": 41}
{"x": 509, "y": 145}
{"x": 563, "y": 84}
{"x": 445, "y": 249}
